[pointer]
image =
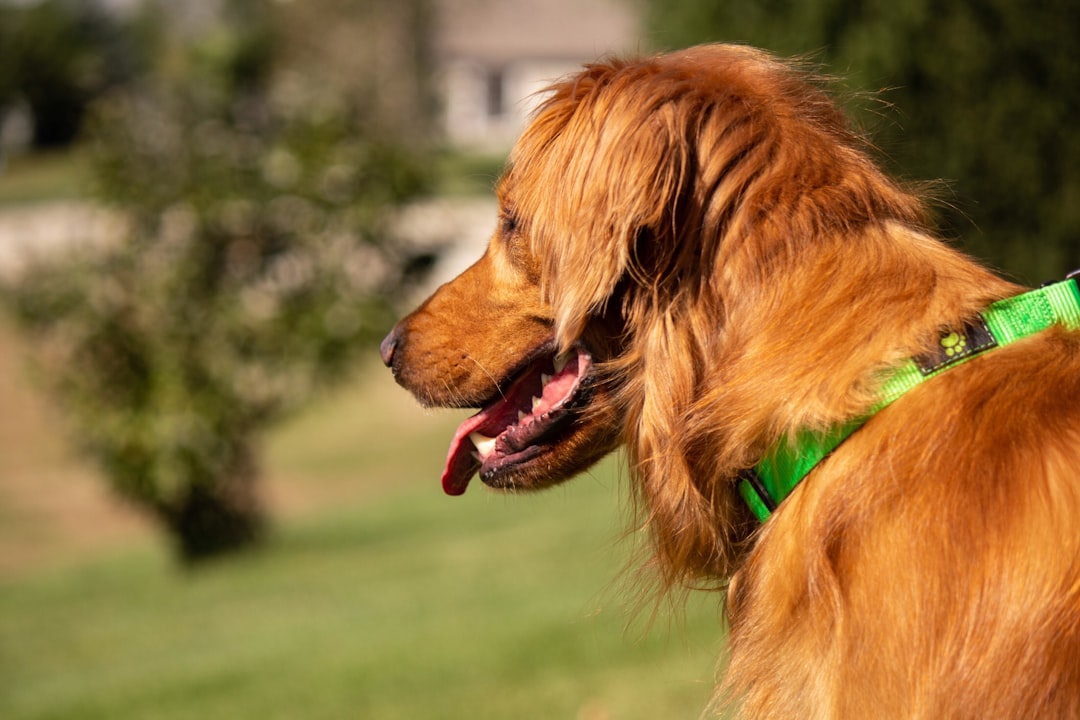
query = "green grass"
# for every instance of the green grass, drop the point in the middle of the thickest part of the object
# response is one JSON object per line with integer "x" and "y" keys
{"x": 400, "y": 603}
{"x": 469, "y": 174}
{"x": 37, "y": 177}
{"x": 63, "y": 175}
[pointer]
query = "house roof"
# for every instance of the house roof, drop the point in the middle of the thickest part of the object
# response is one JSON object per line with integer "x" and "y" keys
{"x": 497, "y": 31}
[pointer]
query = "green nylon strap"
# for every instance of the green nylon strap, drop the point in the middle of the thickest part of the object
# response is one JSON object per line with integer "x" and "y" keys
{"x": 1005, "y": 321}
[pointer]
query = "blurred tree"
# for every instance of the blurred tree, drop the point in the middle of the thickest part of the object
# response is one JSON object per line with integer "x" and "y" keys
{"x": 256, "y": 265}
{"x": 983, "y": 92}
{"x": 56, "y": 56}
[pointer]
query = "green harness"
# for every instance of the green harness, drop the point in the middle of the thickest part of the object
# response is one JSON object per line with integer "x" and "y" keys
{"x": 1002, "y": 323}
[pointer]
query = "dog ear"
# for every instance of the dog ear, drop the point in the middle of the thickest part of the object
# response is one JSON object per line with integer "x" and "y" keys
{"x": 596, "y": 182}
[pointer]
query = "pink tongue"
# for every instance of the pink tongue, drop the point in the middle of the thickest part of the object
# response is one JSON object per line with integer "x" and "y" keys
{"x": 460, "y": 461}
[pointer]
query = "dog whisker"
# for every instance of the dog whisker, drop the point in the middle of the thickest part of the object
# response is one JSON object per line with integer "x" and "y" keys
{"x": 490, "y": 375}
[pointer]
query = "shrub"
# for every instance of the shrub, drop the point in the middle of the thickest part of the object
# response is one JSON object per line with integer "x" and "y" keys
{"x": 255, "y": 264}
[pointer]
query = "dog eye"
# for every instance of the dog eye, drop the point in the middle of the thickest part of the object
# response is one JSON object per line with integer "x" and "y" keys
{"x": 508, "y": 223}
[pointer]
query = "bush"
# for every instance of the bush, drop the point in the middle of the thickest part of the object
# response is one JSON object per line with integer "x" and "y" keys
{"x": 255, "y": 266}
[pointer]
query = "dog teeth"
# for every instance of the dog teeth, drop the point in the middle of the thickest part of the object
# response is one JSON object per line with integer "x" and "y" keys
{"x": 484, "y": 445}
{"x": 521, "y": 416}
{"x": 535, "y": 402}
{"x": 560, "y": 361}
{"x": 544, "y": 379}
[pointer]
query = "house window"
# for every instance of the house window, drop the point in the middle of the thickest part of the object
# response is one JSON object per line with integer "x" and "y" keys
{"x": 495, "y": 95}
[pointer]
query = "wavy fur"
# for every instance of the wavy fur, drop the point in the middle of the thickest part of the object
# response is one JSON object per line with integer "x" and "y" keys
{"x": 709, "y": 222}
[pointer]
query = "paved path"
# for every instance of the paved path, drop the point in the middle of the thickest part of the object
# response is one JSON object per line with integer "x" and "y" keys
{"x": 458, "y": 227}
{"x": 30, "y": 230}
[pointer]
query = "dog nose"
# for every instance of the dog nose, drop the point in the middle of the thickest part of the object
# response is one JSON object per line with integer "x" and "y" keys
{"x": 387, "y": 347}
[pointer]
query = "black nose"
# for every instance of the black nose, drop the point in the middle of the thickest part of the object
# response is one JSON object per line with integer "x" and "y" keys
{"x": 387, "y": 347}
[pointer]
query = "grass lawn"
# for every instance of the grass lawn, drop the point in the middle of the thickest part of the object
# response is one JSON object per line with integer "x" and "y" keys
{"x": 377, "y": 598}
{"x": 34, "y": 177}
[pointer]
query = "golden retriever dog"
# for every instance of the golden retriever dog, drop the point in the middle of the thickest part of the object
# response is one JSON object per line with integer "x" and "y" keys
{"x": 697, "y": 259}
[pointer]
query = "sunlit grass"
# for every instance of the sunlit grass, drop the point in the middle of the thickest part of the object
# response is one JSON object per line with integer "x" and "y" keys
{"x": 470, "y": 174}
{"x": 413, "y": 606}
{"x": 389, "y": 601}
{"x": 36, "y": 177}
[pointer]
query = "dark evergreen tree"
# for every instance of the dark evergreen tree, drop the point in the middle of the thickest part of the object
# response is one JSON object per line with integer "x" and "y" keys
{"x": 979, "y": 93}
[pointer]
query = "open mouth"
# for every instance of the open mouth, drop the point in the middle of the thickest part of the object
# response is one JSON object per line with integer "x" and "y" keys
{"x": 520, "y": 425}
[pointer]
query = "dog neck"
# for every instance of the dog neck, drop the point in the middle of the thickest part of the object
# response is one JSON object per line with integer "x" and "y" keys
{"x": 788, "y": 462}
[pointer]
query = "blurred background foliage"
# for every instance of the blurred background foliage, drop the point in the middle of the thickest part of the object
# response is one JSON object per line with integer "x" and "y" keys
{"x": 256, "y": 263}
{"x": 56, "y": 57}
{"x": 979, "y": 93}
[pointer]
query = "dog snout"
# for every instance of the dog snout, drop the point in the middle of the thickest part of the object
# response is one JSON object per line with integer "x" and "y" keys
{"x": 389, "y": 345}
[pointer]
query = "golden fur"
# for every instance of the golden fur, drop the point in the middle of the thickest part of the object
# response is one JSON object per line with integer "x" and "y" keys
{"x": 708, "y": 227}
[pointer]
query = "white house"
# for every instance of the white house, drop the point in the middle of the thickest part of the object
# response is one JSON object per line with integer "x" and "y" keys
{"x": 495, "y": 55}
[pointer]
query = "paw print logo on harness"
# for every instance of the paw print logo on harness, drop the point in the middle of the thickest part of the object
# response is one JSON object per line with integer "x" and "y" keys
{"x": 954, "y": 344}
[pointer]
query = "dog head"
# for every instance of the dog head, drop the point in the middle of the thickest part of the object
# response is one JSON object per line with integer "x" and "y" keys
{"x": 646, "y": 214}
{"x": 486, "y": 340}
